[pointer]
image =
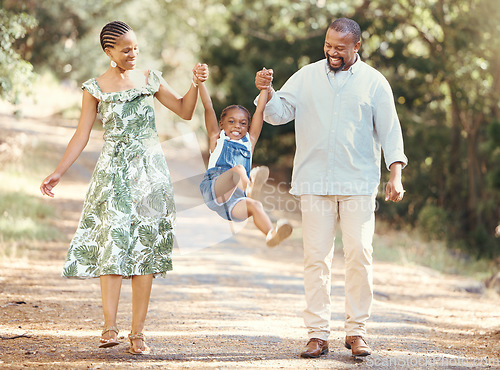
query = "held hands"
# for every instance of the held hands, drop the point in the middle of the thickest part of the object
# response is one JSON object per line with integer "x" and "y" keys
{"x": 200, "y": 73}
{"x": 264, "y": 79}
{"x": 49, "y": 183}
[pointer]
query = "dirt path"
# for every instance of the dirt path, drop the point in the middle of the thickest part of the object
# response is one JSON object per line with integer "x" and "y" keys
{"x": 235, "y": 304}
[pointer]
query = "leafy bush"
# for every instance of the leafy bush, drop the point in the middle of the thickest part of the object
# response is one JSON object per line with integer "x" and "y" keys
{"x": 433, "y": 221}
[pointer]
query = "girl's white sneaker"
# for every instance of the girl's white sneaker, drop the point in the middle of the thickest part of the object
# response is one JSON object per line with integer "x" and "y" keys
{"x": 282, "y": 231}
{"x": 258, "y": 177}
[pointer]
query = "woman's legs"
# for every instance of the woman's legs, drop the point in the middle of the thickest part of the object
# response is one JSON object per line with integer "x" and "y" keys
{"x": 110, "y": 294}
{"x": 141, "y": 292}
{"x": 226, "y": 183}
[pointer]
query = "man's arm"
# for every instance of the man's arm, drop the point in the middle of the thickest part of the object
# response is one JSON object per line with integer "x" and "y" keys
{"x": 280, "y": 107}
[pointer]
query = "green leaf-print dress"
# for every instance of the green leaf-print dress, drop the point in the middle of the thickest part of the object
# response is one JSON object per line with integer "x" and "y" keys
{"x": 127, "y": 223}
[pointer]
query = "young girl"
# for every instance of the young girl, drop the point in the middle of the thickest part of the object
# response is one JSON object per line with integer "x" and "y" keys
{"x": 228, "y": 185}
{"x": 126, "y": 227}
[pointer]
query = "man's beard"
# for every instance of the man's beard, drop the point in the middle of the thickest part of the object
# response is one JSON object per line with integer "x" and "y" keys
{"x": 335, "y": 70}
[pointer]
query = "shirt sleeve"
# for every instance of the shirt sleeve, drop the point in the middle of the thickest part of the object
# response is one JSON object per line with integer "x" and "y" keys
{"x": 387, "y": 125}
{"x": 280, "y": 109}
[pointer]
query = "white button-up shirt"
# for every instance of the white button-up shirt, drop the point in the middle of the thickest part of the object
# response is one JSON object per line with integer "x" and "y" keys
{"x": 342, "y": 121}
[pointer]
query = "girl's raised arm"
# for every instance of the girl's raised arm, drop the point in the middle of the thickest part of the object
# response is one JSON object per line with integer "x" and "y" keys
{"x": 211, "y": 122}
{"x": 258, "y": 117}
{"x": 76, "y": 144}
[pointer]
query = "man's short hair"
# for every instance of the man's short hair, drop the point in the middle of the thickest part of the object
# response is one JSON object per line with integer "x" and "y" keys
{"x": 347, "y": 25}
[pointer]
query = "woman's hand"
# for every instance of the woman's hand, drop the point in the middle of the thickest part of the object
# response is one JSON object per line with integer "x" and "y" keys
{"x": 49, "y": 183}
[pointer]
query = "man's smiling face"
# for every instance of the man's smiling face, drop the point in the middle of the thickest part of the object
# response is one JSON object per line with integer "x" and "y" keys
{"x": 340, "y": 50}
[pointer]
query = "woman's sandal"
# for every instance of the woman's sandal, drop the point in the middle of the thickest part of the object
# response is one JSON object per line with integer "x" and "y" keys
{"x": 145, "y": 351}
{"x": 106, "y": 343}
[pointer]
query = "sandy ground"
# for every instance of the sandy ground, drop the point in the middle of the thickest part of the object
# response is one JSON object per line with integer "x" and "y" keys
{"x": 230, "y": 302}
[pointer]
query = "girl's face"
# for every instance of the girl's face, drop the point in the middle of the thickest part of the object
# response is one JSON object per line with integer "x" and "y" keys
{"x": 125, "y": 51}
{"x": 235, "y": 123}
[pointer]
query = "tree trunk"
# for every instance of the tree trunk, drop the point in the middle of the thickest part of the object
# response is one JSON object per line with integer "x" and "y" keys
{"x": 473, "y": 172}
{"x": 454, "y": 176}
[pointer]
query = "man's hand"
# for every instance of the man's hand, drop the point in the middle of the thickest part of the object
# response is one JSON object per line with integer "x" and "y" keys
{"x": 394, "y": 190}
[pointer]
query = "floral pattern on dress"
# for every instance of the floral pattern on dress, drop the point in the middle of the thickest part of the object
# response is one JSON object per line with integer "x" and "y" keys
{"x": 128, "y": 218}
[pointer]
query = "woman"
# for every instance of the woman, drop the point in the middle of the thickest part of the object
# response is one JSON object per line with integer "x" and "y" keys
{"x": 126, "y": 227}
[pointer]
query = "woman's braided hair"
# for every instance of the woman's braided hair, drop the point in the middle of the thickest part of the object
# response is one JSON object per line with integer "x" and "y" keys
{"x": 111, "y": 32}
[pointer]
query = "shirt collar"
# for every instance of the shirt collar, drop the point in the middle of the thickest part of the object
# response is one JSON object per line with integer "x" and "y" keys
{"x": 356, "y": 65}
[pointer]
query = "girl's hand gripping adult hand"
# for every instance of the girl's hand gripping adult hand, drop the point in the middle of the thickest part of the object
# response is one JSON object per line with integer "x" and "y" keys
{"x": 200, "y": 73}
{"x": 264, "y": 79}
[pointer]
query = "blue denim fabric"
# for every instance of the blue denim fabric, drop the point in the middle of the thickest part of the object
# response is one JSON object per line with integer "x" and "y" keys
{"x": 233, "y": 154}
{"x": 208, "y": 193}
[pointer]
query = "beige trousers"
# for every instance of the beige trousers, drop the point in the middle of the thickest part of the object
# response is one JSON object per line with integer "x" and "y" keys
{"x": 321, "y": 215}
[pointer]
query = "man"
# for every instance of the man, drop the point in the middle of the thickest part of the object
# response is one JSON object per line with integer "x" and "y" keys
{"x": 344, "y": 115}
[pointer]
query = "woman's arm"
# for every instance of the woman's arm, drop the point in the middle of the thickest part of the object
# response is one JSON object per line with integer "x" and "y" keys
{"x": 183, "y": 106}
{"x": 76, "y": 144}
{"x": 258, "y": 117}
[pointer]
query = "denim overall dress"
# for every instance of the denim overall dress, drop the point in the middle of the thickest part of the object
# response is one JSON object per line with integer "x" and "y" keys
{"x": 226, "y": 155}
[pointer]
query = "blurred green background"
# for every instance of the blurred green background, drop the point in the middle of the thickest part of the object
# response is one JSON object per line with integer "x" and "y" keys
{"x": 440, "y": 56}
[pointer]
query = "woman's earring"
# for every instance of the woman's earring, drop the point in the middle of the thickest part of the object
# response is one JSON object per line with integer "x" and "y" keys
{"x": 113, "y": 64}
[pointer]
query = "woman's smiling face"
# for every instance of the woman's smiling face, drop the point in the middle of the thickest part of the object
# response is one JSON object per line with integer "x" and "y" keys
{"x": 125, "y": 51}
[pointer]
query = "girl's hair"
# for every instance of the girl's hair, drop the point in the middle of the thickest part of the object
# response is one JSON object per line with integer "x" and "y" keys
{"x": 111, "y": 32}
{"x": 227, "y": 109}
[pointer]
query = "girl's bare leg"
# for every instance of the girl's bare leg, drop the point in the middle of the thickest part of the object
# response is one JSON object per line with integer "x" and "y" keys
{"x": 226, "y": 184}
{"x": 249, "y": 207}
{"x": 141, "y": 292}
{"x": 252, "y": 208}
{"x": 110, "y": 294}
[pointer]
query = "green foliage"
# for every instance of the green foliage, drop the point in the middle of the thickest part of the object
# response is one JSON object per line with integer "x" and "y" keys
{"x": 437, "y": 55}
{"x": 16, "y": 74}
{"x": 66, "y": 36}
{"x": 433, "y": 222}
